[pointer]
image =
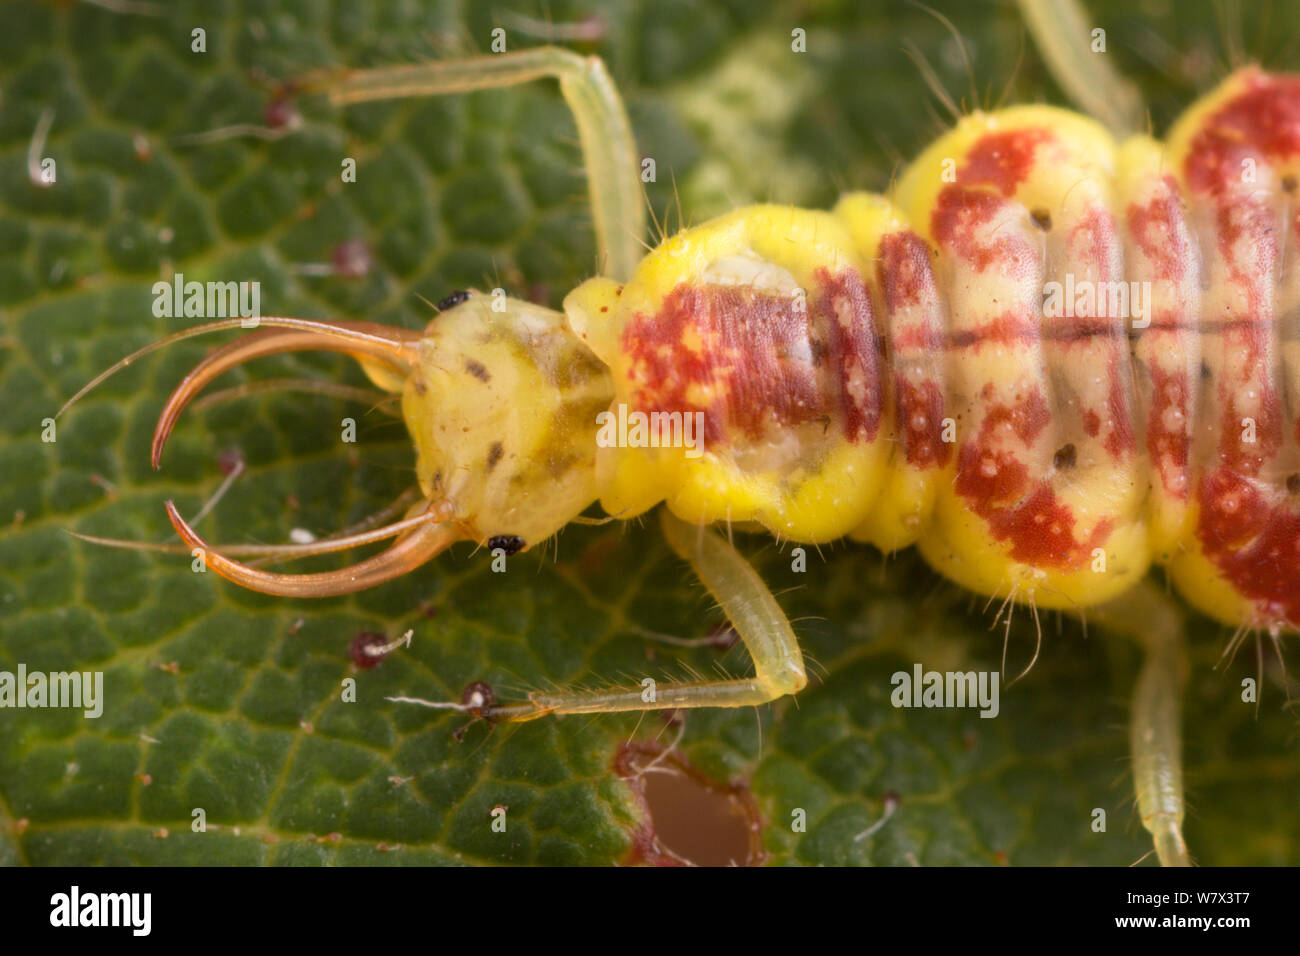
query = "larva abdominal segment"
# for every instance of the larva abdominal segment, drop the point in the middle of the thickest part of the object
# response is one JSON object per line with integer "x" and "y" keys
{"x": 827, "y": 352}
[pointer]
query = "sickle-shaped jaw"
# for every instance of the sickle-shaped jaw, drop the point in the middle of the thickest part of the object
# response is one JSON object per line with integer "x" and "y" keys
{"x": 414, "y": 545}
{"x": 393, "y": 346}
{"x": 411, "y": 550}
{"x": 418, "y": 538}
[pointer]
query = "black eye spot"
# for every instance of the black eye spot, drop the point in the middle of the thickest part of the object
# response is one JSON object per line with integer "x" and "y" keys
{"x": 1066, "y": 457}
{"x": 1293, "y": 484}
{"x": 478, "y": 370}
{"x": 1289, "y": 182}
{"x": 509, "y": 543}
{"x": 1042, "y": 219}
{"x": 494, "y": 455}
{"x": 453, "y": 300}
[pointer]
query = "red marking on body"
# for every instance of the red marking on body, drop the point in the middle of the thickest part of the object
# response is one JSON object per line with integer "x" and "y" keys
{"x": 1254, "y": 541}
{"x": 753, "y": 361}
{"x": 1003, "y": 159}
{"x": 1092, "y": 423}
{"x": 855, "y": 351}
{"x": 1158, "y": 229}
{"x": 959, "y": 215}
{"x": 1009, "y": 328}
{"x": 904, "y": 271}
{"x": 1168, "y": 322}
{"x": 1251, "y": 264}
{"x": 1027, "y": 417}
{"x": 1093, "y": 239}
{"x": 1024, "y": 513}
{"x": 1122, "y": 440}
{"x": 1037, "y": 525}
{"x": 1261, "y": 122}
{"x": 920, "y": 424}
{"x": 1247, "y": 458}
{"x": 1168, "y": 446}
{"x": 1246, "y": 527}
{"x": 917, "y": 337}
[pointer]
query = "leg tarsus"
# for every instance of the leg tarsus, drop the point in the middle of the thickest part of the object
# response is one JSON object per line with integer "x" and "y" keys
{"x": 1155, "y": 731}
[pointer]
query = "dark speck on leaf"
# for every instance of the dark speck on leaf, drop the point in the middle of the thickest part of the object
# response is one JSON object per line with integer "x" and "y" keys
{"x": 364, "y": 649}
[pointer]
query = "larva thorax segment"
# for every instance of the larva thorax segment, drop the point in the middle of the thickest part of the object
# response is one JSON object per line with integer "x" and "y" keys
{"x": 501, "y": 403}
{"x": 759, "y": 329}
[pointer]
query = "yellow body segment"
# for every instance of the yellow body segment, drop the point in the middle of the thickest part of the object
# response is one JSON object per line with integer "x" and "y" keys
{"x": 675, "y": 339}
{"x": 1052, "y": 360}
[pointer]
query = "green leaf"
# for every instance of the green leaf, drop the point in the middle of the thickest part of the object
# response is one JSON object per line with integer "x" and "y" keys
{"x": 229, "y": 701}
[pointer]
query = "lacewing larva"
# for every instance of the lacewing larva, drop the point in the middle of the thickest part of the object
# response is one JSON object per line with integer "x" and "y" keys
{"x": 1051, "y": 358}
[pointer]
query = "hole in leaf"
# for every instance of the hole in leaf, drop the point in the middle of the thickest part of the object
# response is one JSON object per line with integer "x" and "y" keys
{"x": 690, "y": 820}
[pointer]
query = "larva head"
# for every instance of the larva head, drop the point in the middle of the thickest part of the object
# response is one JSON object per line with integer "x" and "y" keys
{"x": 502, "y": 401}
{"x": 746, "y": 370}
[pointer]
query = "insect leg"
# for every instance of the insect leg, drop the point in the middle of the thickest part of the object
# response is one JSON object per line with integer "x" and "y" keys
{"x": 608, "y": 149}
{"x": 1065, "y": 38}
{"x": 1155, "y": 732}
{"x": 752, "y": 611}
